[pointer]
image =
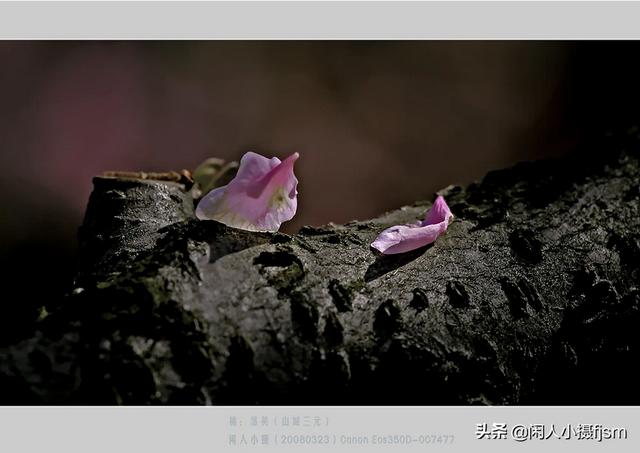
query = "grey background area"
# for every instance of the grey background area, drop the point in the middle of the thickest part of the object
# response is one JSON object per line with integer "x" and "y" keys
{"x": 207, "y": 429}
{"x": 320, "y": 20}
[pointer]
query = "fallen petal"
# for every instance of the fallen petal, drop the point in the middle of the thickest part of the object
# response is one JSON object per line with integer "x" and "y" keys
{"x": 261, "y": 197}
{"x": 404, "y": 238}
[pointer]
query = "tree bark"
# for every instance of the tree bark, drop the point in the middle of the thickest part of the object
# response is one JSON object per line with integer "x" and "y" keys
{"x": 530, "y": 297}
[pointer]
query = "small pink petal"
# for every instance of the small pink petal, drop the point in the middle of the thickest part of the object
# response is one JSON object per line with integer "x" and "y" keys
{"x": 404, "y": 238}
{"x": 261, "y": 196}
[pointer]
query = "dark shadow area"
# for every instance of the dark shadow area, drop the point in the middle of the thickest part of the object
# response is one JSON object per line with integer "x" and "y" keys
{"x": 389, "y": 263}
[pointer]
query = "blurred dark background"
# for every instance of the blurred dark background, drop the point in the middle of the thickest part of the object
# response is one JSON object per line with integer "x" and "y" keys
{"x": 377, "y": 124}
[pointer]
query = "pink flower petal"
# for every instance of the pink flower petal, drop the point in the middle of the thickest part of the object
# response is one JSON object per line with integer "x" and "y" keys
{"x": 261, "y": 196}
{"x": 404, "y": 238}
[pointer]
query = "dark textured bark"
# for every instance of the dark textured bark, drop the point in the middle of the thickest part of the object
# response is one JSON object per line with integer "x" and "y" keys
{"x": 530, "y": 297}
